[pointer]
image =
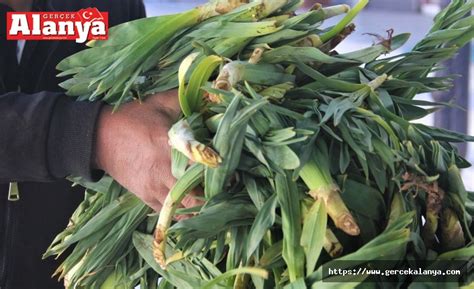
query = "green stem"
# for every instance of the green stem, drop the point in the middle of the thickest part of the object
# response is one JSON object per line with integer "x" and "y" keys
{"x": 13, "y": 192}
{"x": 397, "y": 208}
{"x": 345, "y": 21}
{"x": 452, "y": 235}
{"x": 335, "y": 10}
{"x": 259, "y": 11}
{"x": 193, "y": 176}
{"x": 332, "y": 244}
{"x": 321, "y": 185}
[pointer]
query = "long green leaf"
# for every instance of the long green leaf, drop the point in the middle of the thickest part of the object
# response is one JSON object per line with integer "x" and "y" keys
{"x": 312, "y": 236}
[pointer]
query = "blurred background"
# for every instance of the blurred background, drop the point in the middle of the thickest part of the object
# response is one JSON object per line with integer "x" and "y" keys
{"x": 414, "y": 16}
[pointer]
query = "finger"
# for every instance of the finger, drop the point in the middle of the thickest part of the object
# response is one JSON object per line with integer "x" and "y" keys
{"x": 182, "y": 217}
{"x": 194, "y": 198}
{"x": 167, "y": 179}
{"x": 164, "y": 179}
{"x": 156, "y": 199}
{"x": 167, "y": 102}
{"x": 155, "y": 205}
{"x": 191, "y": 200}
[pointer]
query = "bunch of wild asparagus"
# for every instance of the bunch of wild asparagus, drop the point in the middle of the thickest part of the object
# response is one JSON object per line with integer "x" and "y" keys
{"x": 307, "y": 157}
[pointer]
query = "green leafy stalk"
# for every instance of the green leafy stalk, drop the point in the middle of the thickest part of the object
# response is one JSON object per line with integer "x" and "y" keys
{"x": 317, "y": 177}
{"x": 313, "y": 234}
{"x": 192, "y": 177}
{"x": 345, "y": 21}
{"x": 293, "y": 253}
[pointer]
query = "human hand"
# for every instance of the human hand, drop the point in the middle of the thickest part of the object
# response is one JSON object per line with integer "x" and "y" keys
{"x": 132, "y": 146}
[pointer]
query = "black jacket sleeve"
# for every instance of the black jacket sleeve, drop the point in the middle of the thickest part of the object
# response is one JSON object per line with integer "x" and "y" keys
{"x": 137, "y": 9}
{"x": 45, "y": 136}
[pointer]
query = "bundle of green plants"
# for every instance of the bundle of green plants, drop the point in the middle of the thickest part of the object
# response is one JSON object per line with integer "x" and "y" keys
{"x": 308, "y": 158}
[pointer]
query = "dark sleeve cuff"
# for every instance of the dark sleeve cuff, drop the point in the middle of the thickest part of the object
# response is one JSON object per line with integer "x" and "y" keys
{"x": 71, "y": 139}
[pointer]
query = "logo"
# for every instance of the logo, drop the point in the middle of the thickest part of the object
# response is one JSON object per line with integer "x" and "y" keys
{"x": 86, "y": 24}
